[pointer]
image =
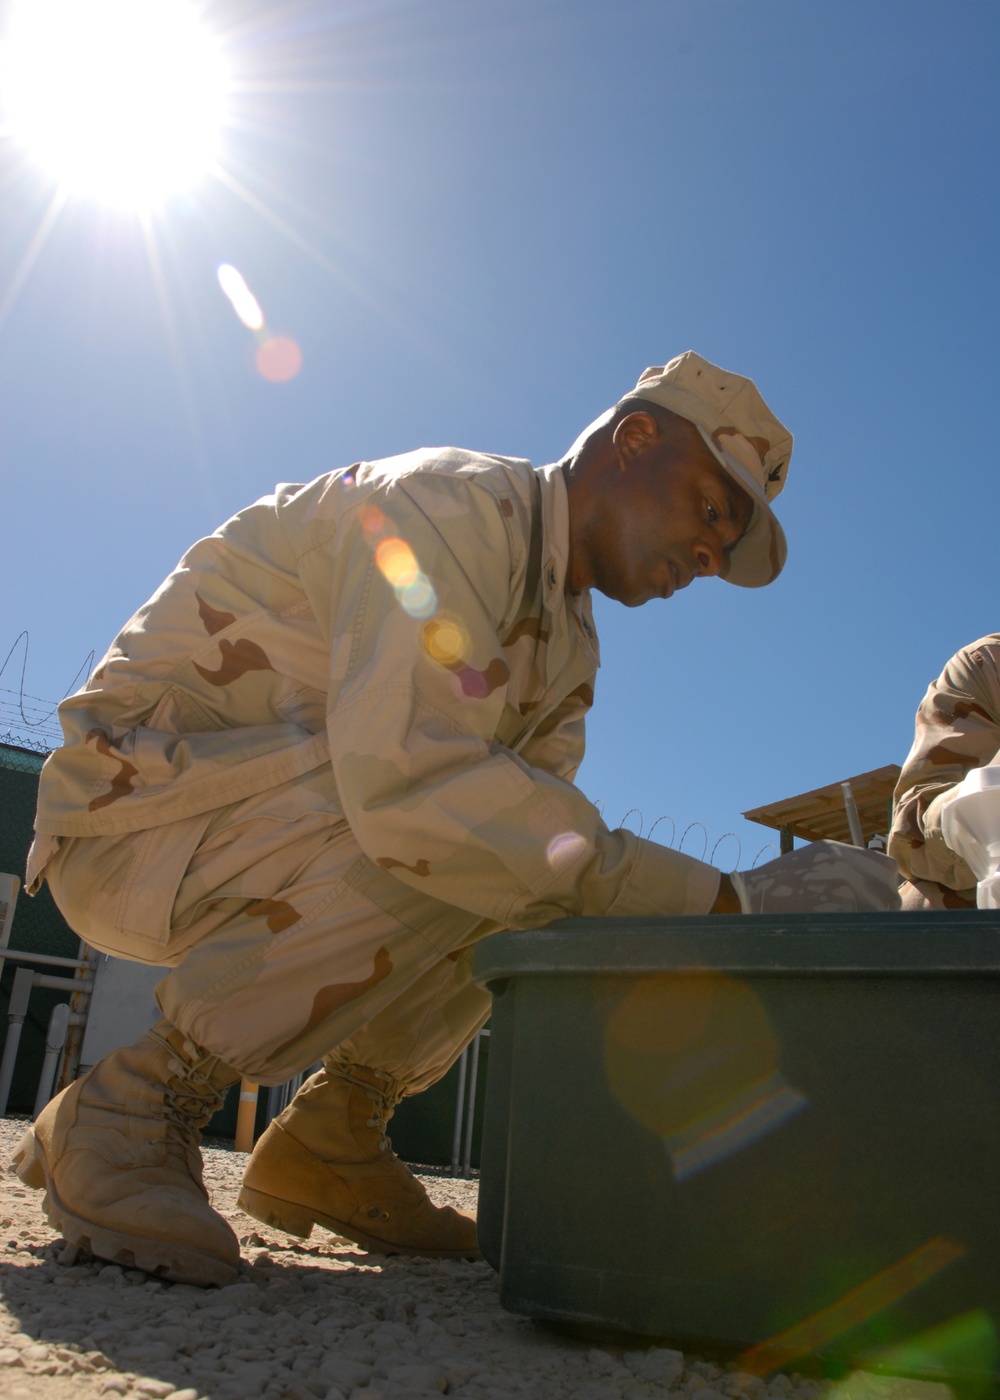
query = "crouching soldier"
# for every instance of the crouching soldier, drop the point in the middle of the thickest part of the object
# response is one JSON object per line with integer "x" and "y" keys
{"x": 333, "y": 750}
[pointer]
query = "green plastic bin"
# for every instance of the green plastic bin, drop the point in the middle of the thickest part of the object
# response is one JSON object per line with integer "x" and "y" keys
{"x": 777, "y": 1140}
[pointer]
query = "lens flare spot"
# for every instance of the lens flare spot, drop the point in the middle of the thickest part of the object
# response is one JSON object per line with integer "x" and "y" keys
{"x": 242, "y": 299}
{"x": 418, "y": 598}
{"x": 372, "y": 520}
{"x": 279, "y": 359}
{"x": 446, "y": 641}
{"x": 397, "y": 561}
{"x": 964, "y": 1345}
{"x": 747, "y": 1117}
{"x": 564, "y": 848}
{"x": 865, "y": 1301}
{"x": 695, "y": 1060}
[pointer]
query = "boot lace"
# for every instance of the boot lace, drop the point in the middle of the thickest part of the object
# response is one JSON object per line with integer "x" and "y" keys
{"x": 383, "y": 1101}
{"x": 191, "y": 1095}
{"x": 380, "y": 1118}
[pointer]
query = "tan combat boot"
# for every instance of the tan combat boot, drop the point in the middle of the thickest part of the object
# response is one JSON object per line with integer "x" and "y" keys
{"x": 326, "y": 1161}
{"x": 117, "y": 1156}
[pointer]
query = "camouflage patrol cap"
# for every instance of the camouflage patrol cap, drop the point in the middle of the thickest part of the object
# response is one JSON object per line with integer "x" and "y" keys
{"x": 745, "y": 438}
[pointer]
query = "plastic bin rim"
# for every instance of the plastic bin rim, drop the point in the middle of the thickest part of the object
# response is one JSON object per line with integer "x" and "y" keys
{"x": 955, "y": 942}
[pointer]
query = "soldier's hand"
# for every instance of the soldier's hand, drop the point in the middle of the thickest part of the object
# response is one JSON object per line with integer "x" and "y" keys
{"x": 824, "y": 877}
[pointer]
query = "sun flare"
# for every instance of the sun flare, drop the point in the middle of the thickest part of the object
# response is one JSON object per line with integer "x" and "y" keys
{"x": 121, "y": 100}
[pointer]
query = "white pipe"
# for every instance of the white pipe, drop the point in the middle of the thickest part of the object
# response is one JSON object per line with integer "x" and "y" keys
{"x": 79, "y": 1004}
{"x": 55, "y": 1039}
{"x": 24, "y": 981}
{"x": 47, "y": 959}
{"x": 60, "y": 984}
{"x": 17, "y": 1011}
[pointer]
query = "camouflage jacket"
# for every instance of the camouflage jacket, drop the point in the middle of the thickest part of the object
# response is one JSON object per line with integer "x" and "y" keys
{"x": 407, "y": 622}
{"x": 957, "y": 729}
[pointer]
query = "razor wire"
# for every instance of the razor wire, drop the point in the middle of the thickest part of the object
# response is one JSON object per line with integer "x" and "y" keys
{"x": 27, "y": 724}
{"x": 27, "y": 720}
{"x": 666, "y": 817}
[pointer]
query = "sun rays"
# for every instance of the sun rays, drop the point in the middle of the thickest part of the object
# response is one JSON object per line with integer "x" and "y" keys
{"x": 116, "y": 110}
{"x": 154, "y": 114}
{"x": 123, "y": 101}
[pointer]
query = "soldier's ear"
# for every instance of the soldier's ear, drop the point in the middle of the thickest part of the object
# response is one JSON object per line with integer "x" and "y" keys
{"x": 632, "y": 436}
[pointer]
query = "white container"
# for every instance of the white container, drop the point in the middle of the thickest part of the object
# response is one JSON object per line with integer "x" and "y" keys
{"x": 970, "y": 825}
{"x": 988, "y": 892}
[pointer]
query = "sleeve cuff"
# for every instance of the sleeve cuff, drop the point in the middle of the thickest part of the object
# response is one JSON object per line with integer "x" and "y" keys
{"x": 662, "y": 881}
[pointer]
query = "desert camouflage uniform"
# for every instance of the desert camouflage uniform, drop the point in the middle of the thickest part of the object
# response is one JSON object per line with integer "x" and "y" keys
{"x": 957, "y": 729}
{"x": 335, "y": 748}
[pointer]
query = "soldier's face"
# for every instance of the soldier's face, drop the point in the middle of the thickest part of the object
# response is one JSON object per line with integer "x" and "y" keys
{"x": 672, "y": 515}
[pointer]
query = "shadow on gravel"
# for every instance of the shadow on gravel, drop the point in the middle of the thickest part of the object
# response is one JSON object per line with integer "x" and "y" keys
{"x": 300, "y": 1323}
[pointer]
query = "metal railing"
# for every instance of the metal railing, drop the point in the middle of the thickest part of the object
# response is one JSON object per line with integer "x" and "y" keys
{"x": 66, "y": 1020}
{"x": 61, "y": 1021}
{"x": 465, "y": 1106}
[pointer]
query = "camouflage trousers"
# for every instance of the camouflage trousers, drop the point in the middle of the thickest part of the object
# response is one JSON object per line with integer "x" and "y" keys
{"x": 286, "y": 944}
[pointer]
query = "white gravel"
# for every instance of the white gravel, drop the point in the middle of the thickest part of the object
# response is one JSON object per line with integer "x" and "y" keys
{"x": 317, "y": 1320}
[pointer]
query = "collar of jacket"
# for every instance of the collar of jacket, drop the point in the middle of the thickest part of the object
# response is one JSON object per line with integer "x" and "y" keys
{"x": 555, "y": 535}
{"x": 555, "y": 556}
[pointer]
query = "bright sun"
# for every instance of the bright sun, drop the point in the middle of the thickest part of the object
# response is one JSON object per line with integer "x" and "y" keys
{"x": 122, "y": 100}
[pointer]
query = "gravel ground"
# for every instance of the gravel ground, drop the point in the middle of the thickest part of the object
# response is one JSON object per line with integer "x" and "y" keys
{"x": 317, "y": 1320}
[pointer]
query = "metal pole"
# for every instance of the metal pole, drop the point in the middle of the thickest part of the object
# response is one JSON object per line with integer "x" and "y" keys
{"x": 470, "y": 1116}
{"x": 17, "y": 1011}
{"x": 246, "y": 1115}
{"x": 279, "y": 1096}
{"x": 277, "y": 1101}
{"x": 853, "y": 820}
{"x": 456, "y": 1141}
{"x": 55, "y": 1039}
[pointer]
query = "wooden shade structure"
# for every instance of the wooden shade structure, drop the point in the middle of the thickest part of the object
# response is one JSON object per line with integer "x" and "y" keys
{"x": 820, "y": 815}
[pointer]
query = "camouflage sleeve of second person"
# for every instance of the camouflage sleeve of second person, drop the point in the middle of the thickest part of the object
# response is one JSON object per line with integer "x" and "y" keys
{"x": 957, "y": 729}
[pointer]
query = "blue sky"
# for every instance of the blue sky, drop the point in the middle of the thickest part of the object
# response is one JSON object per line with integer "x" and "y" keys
{"x": 480, "y": 222}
